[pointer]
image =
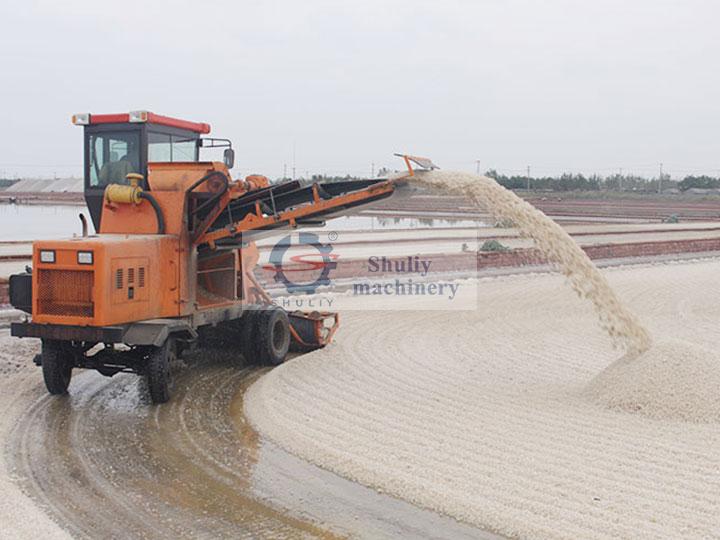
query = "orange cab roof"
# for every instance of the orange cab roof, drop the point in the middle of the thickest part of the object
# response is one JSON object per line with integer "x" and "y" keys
{"x": 140, "y": 117}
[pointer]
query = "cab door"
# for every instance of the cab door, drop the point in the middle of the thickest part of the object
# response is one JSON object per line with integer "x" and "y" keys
{"x": 111, "y": 152}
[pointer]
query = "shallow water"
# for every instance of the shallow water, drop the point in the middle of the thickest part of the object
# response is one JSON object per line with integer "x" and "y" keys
{"x": 389, "y": 223}
{"x": 29, "y": 222}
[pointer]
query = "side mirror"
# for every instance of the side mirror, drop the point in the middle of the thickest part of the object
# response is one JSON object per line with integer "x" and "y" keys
{"x": 229, "y": 157}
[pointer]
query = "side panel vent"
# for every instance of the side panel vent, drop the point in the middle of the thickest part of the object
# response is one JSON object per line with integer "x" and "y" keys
{"x": 130, "y": 279}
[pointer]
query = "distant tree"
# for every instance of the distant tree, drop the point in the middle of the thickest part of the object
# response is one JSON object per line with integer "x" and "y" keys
{"x": 703, "y": 182}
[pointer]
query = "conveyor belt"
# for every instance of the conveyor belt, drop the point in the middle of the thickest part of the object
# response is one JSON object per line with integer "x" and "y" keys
{"x": 275, "y": 200}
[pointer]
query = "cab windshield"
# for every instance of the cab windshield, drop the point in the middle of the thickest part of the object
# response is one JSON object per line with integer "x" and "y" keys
{"x": 113, "y": 155}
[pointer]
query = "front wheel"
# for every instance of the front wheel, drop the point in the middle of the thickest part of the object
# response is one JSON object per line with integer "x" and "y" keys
{"x": 273, "y": 337}
{"x": 56, "y": 367}
{"x": 159, "y": 372}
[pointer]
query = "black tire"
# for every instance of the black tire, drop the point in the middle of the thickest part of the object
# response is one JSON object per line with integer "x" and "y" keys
{"x": 56, "y": 367}
{"x": 249, "y": 327}
{"x": 273, "y": 336}
{"x": 159, "y": 372}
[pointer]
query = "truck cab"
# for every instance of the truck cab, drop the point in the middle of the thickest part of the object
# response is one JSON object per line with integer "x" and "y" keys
{"x": 119, "y": 144}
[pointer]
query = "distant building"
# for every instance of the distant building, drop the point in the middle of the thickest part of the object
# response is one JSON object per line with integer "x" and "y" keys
{"x": 58, "y": 185}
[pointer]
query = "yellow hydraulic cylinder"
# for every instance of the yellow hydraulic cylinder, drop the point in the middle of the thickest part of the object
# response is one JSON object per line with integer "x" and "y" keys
{"x": 119, "y": 193}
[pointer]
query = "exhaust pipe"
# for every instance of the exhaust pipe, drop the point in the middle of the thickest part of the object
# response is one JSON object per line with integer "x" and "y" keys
{"x": 83, "y": 221}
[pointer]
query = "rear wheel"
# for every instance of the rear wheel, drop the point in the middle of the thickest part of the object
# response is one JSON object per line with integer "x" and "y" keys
{"x": 159, "y": 372}
{"x": 273, "y": 336}
{"x": 56, "y": 367}
{"x": 249, "y": 327}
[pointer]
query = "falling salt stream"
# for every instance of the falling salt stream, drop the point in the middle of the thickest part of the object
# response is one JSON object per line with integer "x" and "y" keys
{"x": 556, "y": 245}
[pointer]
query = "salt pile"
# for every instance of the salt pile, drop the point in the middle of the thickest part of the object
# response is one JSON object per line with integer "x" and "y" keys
{"x": 558, "y": 247}
{"x": 483, "y": 415}
{"x": 673, "y": 380}
{"x": 495, "y": 423}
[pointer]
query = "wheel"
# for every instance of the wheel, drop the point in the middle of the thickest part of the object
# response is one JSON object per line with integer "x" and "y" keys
{"x": 248, "y": 332}
{"x": 159, "y": 372}
{"x": 56, "y": 367}
{"x": 273, "y": 336}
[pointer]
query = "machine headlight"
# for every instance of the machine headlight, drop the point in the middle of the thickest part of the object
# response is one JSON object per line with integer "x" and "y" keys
{"x": 85, "y": 257}
{"x": 47, "y": 256}
{"x": 138, "y": 116}
{"x": 81, "y": 119}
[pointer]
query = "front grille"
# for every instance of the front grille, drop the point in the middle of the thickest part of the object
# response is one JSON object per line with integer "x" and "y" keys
{"x": 66, "y": 293}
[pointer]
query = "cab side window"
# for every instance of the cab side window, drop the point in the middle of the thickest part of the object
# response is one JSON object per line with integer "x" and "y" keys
{"x": 184, "y": 149}
{"x": 159, "y": 147}
{"x": 169, "y": 148}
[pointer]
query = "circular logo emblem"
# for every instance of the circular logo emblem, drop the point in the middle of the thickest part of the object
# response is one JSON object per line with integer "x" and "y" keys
{"x": 323, "y": 260}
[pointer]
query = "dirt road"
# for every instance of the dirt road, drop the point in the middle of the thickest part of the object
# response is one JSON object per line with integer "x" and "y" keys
{"x": 103, "y": 462}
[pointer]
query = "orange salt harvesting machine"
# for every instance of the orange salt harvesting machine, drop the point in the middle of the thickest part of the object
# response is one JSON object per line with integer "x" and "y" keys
{"x": 171, "y": 265}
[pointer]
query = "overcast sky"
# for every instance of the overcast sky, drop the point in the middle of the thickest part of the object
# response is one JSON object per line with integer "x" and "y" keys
{"x": 559, "y": 85}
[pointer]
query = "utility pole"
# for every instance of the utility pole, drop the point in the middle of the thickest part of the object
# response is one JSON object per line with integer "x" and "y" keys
{"x": 528, "y": 177}
{"x": 660, "y": 180}
{"x": 477, "y": 166}
{"x": 293, "y": 160}
{"x": 620, "y": 178}
{"x": 284, "y": 171}
{"x": 372, "y": 170}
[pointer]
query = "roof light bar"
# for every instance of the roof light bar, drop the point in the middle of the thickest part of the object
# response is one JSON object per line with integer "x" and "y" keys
{"x": 81, "y": 119}
{"x": 138, "y": 116}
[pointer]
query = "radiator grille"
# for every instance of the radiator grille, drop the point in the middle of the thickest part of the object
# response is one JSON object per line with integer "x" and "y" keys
{"x": 65, "y": 293}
